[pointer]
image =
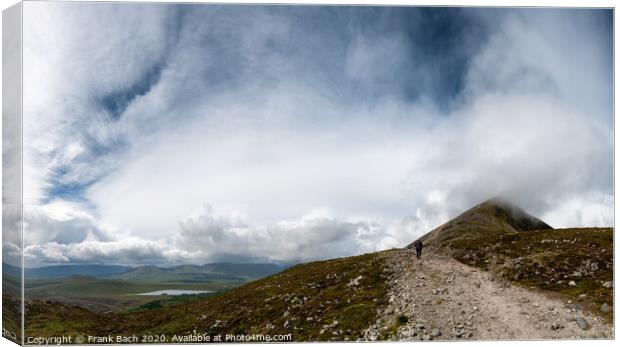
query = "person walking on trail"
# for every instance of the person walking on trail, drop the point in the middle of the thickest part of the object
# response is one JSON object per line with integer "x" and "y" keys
{"x": 418, "y": 248}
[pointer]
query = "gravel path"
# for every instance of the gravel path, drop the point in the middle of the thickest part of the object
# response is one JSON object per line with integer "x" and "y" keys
{"x": 446, "y": 300}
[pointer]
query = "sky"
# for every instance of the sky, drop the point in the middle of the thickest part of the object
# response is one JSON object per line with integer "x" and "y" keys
{"x": 173, "y": 134}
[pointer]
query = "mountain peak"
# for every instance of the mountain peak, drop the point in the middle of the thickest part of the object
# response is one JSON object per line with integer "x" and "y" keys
{"x": 515, "y": 216}
{"x": 491, "y": 217}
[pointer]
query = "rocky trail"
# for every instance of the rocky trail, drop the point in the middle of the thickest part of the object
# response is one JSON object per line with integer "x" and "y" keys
{"x": 438, "y": 298}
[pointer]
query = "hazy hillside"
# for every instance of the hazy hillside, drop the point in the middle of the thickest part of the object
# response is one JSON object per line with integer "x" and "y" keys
{"x": 206, "y": 273}
{"x": 184, "y": 273}
{"x": 59, "y": 271}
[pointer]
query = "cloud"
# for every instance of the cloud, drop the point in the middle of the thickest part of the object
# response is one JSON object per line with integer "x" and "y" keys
{"x": 11, "y": 253}
{"x": 209, "y": 235}
{"x": 63, "y": 232}
{"x": 61, "y": 222}
{"x": 129, "y": 250}
{"x": 81, "y": 59}
{"x": 395, "y": 119}
{"x": 525, "y": 129}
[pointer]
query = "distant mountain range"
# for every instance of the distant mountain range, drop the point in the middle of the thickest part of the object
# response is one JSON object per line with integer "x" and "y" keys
{"x": 60, "y": 271}
{"x": 241, "y": 272}
{"x": 150, "y": 273}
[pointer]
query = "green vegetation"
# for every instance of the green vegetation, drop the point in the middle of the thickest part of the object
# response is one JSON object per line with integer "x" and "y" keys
{"x": 109, "y": 288}
{"x": 107, "y": 295}
{"x": 334, "y": 299}
{"x": 392, "y": 330}
{"x": 503, "y": 239}
{"x": 169, "y": 301}
{"x": 492, "y": 218}
{"x": 11, "y": 317}
{"x": 11, "y": 307}
{"x": 570, "y": 262}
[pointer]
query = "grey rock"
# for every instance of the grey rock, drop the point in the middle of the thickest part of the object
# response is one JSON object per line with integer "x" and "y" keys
{"x": 605, "y": 308}
{"x": 581, "y": 323}
{"x": 419, "y": 326}
{"x": 572, "y": 283}
{"x": 608, "y": 284}
{"x": 435, "y": 333}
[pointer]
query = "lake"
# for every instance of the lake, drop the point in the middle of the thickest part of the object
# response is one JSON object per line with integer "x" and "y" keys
{"x": 176, "y": 292}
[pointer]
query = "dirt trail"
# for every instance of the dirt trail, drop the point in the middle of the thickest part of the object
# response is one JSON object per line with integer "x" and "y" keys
{"x": 446, "y": 300}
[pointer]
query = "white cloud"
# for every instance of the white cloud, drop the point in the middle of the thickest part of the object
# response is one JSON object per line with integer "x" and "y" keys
{"x": 209, "y": 235}
{"x": 12, "y": 253}
{"x": 73, "y": 55}
{"x": 61, "y": 222}
{"x": 129, "y": 250}
{"x": 526, "y": 127}
{"x": 586, "y": 210}
{"x": 267, "y": 170}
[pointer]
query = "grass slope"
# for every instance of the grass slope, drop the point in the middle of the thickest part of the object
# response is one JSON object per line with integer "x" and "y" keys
{"x": 61, "y": 271}
{"x": 325, "y": 300}
{"x": 570, "y": 262}
{"x": 11, "y": 317}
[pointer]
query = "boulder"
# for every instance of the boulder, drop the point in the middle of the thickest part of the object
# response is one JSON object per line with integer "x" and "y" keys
{"x": 582, "y": 323}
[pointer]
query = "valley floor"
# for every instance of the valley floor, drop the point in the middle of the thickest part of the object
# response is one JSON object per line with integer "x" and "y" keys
{"x": 439, "y": 298}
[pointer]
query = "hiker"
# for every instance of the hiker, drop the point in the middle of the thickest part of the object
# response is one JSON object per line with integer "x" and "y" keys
{"x": 418, "y": 248}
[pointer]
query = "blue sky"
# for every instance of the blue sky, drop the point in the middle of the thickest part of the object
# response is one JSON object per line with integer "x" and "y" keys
{"x": 192, "y": 133}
